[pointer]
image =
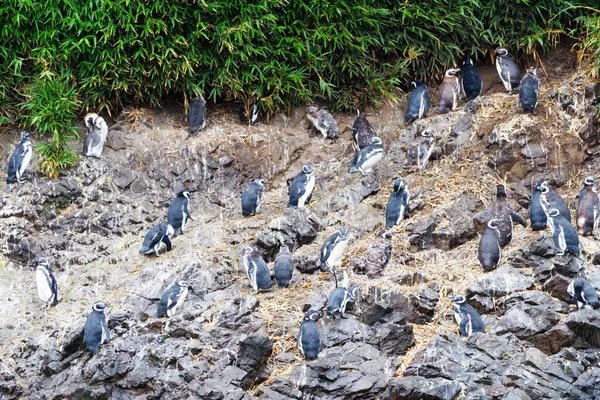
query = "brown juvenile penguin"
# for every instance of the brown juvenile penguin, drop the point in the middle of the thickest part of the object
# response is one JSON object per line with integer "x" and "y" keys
{"x": 378, "y": 255}
{"x": 449, "y": 91}
{"x": 503, "y": 212}
{"x": 587, "y": 208}
{"x": 419, "y": 150}
{"x": 362, "y": 132}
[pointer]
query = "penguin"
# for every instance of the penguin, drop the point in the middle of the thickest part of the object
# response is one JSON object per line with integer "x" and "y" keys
{"x": 309, "y": 339}
{"x": 95, "y": 331}
{"x": 252, "y": 196}
{"x": 489, "y": 251}
{"x": 96, "y": 134}
{"x": 529, "y": 90}
{"x": 244, "y": 120}
{"x": 339, "y": 299}
{"x": 397, "y": 205}
{"x": 46, "y": 283}
{"x": 19, "y": 159}
{"x": 362, "y": 132}
{"x": 587, "y": 208}
{"x": 332, "y": 251}
{"x": 172, "y": 299}
{"x": 471, "y": 83}
{"x": 257, "y": 270}
{"x": 284, "y": 267}
{"x": 419, "y": 150}
{"x": 159, "y": 234}
{"x": 502, "y": 211}
{"x": 196, "y": 117}
{"x": 507, "y": 70}
{"x": 542, "y": 198}
{"x": 449, "y": 91}
{"x": 379, "y": 254}
{"x": 365, "y": 159}
{"x": 323, "y": 121}
{"x": 418, "y": 103}
{"x": 302, "y": 187}
{"x": 178, "y": 213}
{"x": 584, "y": 294}
{"x": 467, "y": 318}
{"x": 564, "y": 235}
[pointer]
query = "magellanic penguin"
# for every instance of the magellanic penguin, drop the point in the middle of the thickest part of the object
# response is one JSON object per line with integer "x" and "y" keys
{"x": 418, "y": 103}
{"x": 244, "y": 120}
{"x": 584, "y": 294}
{"x": 302, "y": 187}
{"x": 529, "y": 90}
{"x": 490, "y": 252}
{"x": 19, "y": 159}
{"x": 46, "y": 283}
{"x": 172, "y": 299}
{"x": 252, "y": 196}
{"x": 339, "y": 299}
{"x": 502, "y": 211}
{"x": 362, "y": 132}
{"x": 284, "y": 267}
{"x": 157, "y": 236}
{"x": 179, "y": 213}
{"x": 397, "y": 205}
{"x": 378, "y": 255}
{"x": 257, "y": 270}
{"x": 96, "y": 134}
{"x": 588, "y": 205}
{"x": 449, "y": 91}
{"x": 333, "y": 251}
{"x": 309, "y": 339}
{"x": 366, "y": 158}
{"x": 419, "y": 150}
{"x": 564, "y": 235}
{"x": 467, "y": 318}
{"x": 197, "y": 115}
{"x": 543, "y": 198}
{"x": 95, "y": 331}
{"x": 323, "y": 121}
{"x": 507, "y": 70}
{"x": 470, "y": 80}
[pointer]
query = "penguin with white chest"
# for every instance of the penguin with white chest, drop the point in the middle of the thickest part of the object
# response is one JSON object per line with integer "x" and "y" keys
{"x": 397, "y": 205}
{"x": 257, "y": 270}
{"x": 507, "y": 70}
{"x": 365, "y": 159}
{"x": 156, "y": 237}
{"x": 543, "y": 198}
{"x": 502, "y": 211}
{"x": 471, "y": 83}
{"x": 197, "y": 115}
{"x": 584, "y": 294}
{"x": 46, "y": 283}
{"x": 302, "y": 187}
{"x": 362, "y": 132}
{"x": 588, "y": 206}
{"x": 564, "y": 235}
{"x": 420, "y": 150}
{"x": 284, "y": 267}
{"x": 95, "y": 331}
{"x": 339, "y": 299}
{"x": 467, "y": 317}
{"x": 418, "y": 103}
{"x": 449, "y": 91}
{"x": 252, "y": 196}
{"x": 489, "y": 251}
{"x": 173, "y": 299}
{"x": 19, "y": 159}
{"x": 95, "y": 137}
{"x": 179, "y": 213}
{"x": 309, "y": 338}
{"x": 252, "y": 119}
{"x": 529, "y": 91}
{"x": 323, "y": 122}
{"x": 332, "y": 251}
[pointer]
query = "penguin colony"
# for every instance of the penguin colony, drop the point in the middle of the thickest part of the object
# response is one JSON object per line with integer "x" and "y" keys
{"x": 547, "y": 209}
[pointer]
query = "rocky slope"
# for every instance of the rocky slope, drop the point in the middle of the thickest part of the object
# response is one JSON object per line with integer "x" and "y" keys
{"x": 227, "y": 343}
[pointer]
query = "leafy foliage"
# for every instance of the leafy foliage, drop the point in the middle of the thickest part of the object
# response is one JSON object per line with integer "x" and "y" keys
{"x": 589, "y": 31}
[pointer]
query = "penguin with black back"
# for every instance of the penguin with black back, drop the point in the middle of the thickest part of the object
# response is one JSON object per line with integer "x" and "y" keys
{"x": 19, "y": 159}
{"x": 179, "y": 214}
{"x": 588, "y": 205}
{"x": 309, "y": 338}
{"x": 365, "y": 159}
{"x": 323, "y": 122}
{"x": 467, "y": 317}
{"x": 197, "y": 115}
{"x": 503, "y": 212}
{"x": 564, "y": 235}
{"x": 490, "y": 251}
{"x": 252, "y": 196}
{"x": 449, "y": 91}
{"x": 155, "y": 238}
{"x": 254, "y": 110}
{"x": 397, "y": 205}
{"x": 46, "y": 283}
{"x": 95, "y": 331}
{"x": 378, "y": 255}
{"x": 420, "y": 150}
{"x": 332, "y": 251}
{"x": 418, "y": 103}
{"x": 301, "y": 188}
{"x": 97, "y": 131}
{"x": 470, "y": 80}
{"x": 173, "y": 299}
{"x": 584, "y": 294}
{"x": 362, "y": 132}
{"x": 543, "y": 198}
{"x": 507, "y": 70}
{"x": 529, "y": 91}
{"x": 257, "y": 270}
{"x": 284, "y": 267}
{"x": 339, "y": 299}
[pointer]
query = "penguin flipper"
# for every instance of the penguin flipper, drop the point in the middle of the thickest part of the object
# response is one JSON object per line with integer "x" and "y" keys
{"x": 167, "y": 241}
{"x": 518, "y": 219}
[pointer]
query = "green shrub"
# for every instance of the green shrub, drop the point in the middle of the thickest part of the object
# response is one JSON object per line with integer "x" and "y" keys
{"x": 589, "y": 32}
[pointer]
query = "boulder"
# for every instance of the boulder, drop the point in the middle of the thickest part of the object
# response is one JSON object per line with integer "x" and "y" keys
{"x": 295, "y": 228}
{"x": 500, "y": 282}
{"x": 585, "y": 324}
{"x": 254, "y": 353}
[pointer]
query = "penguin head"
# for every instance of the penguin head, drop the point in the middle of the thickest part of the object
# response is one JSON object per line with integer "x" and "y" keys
{"x": 361, "y": 114}
{"x": 429, "y": 133}
{"x": 43, "y": 262}
{"x": 500, "y": 191}
{"x": 90, "y": 120}
{"x": 493, "y": 224}
{"x": 184, "y": 284}
{"x": 553, "y": 212}
{"x": 375, "y": 140}
{"x": 343, "y": 233}
{"x": 467, "y": 61}
{"x": 452, "y": 72}
{"x": 24, "y": 135}
{"x": 502, "y": 52}
{"x": 416, "y": 83}
{"x": 184, "y": 193}
{"x": 354, "y": 291}
{"x": 307, "y": 169}
{"x": 260, "y": 182}
{"x": 247, "y": 250}
{"x": 542, "y": 186}
{"x": 284, "y": 250}
{"x": 312, "y": 110}
{"x": 312, "y": 315}
{"x": 532, "y": 71}
{"x": 589, "y": 181}
{"x": 399, "y": 185}
{"x": 385, "y": 234}
{"x": 459, "y": 299}
{"x": 100, "y": 306}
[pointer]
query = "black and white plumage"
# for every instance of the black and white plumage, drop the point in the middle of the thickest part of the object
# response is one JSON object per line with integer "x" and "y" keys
{"x": 362, "y": 132}
{"x": 378, "y": 255}
{"x": 419, "y": 150}
{"x": 155, "y": 238}
{"x": 564, "y": 235}
{"x": 418, "y": 103}
{"x": 449, "y": 91}
{"x": 254, "y": 110}
{"x": 19, "y": 159}
{"x": 179, "y": 214}
{"x": 95, "y": 137}
{"x": 302, "y": 187}
{"x": 503, "y": 212}
{"x": 489, "y": 251}
{"x": 339, "y": 299}
{"x": 309, "y": 339}
{"x": 46, "y": 283}
{"x": 323, "y": 121}
{"x": 507, "y": 70}
{"x": 397, "y": 205}
{"x": 588, "y": 207}
{"x": 173, "y": 299}
{"x": 257, "y": 270}
{"x": 466, "y": 316}
{"x": 366, "y": 158}
{"x": 95, "y": 331}
{"x": 332, "y": 251}
{"x": 543, "y": 198}
{"x": 284, "y": 267}
{"x": 584, "y": 294}
{"x": 252, "y": 196}
{"x": 529, "y": 91}
{"x": 470, "y": 81}
{"x": 197, "y": 115}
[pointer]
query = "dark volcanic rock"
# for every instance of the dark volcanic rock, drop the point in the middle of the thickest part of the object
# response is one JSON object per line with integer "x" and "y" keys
{"x": 418, "y": 388}
{"x": 586, "y": 325}
{"x": 422, "y": 307}
{"x": 525, "y": 321}
{"x": 587, "y": 386}
{"x": 554, "y": 340}
{"x": 353, "y": 194}
{"x": 307, "y": 264}
{"x": 296, "y": 227}
{"x": 254, "y": 352}
{"x": 557, "y": 287}
{"x": 378, "y": 303}
{"x": 530, "y": 298}
{"x": 500, "y": 282}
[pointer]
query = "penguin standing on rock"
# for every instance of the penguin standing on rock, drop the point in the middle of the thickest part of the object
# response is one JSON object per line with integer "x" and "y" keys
{"x": 529, "y": 90}
{"x": 20, "y": 159}
{"x": 587, "y": 208}
{"x": 362, "y": 132}
{"x": 418, "y": 103}
{"x": 309, "y": 339}
{"x": 252, "y": 196}
{"x": 197, "y": 115}
{"x": 46, "y": 283}
{"x": 339, "y": 299}
{"x": 172, "y": 299}
{"x": 507, "y": 70}
{"x": 397, "y": 206}
{"x": 156, "y": 237}
{"x": 584, "y": 294}
{"x": 95, "y": 331}
{"x": 365, "y": 159}
{"x": 379, "y": 254}
{"x": 323, "y": 121}
{"x": 178, "y": 213}
{"x": 284, "y": 267}
{"x": 449, "y": 91}
{"x": 419, "y": 150}
{"x": 333, "y": 251}
{"x": 253, "y": 119}
{"x": 489, "y": 251}
{"x": 257, "y": 270}
{"x": 96, "y": 134}
{"x": 564, "y": 235}
{"x": 302, "y": 187}
{"x": 502, "y": 211}
{"x": 543, "y": 198}
{"x": 467, "y": 318}
{"x": 470, "y": 80}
